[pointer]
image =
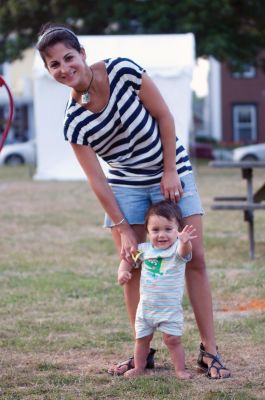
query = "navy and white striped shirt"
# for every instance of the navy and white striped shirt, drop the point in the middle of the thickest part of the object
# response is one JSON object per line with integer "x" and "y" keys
{"x": 123, "y": 134}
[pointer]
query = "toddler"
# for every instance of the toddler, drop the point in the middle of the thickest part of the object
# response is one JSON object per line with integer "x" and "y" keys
{"x": 163, "y": 263}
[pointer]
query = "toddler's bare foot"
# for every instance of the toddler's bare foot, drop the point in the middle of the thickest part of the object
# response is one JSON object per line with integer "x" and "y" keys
{"x": 133, "y": 373}
{"x": 183, "y": 375}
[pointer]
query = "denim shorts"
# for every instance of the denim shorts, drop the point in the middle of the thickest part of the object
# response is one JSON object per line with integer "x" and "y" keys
{"x": 134, "y": 202}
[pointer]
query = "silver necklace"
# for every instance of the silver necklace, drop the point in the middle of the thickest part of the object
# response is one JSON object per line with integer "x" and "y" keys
{"x": 85, "y": 96}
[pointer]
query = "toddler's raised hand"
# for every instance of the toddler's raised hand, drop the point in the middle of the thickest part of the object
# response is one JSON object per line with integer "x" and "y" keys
{"x": 187, "y": 233}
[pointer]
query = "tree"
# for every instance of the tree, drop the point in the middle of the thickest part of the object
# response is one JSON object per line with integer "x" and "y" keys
{"x": 230, "y": 30}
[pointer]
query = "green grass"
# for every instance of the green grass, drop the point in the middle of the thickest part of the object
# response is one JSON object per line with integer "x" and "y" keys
{"x": 63, "y": 319}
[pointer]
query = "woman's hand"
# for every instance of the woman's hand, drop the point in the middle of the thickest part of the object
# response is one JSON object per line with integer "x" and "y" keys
{"x": 128, "y": 242}
{"x": 171, "y": 186}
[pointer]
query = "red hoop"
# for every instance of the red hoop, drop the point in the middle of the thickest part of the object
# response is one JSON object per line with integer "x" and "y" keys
{"x": 11, "y": 111}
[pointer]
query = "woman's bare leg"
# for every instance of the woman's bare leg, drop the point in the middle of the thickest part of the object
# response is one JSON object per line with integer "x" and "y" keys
{"x": 200, "y": 293}
{"x": 131, "y": 289}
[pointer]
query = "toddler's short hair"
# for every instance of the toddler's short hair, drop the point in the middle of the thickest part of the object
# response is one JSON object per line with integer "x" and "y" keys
{"x": 165, "y": 208}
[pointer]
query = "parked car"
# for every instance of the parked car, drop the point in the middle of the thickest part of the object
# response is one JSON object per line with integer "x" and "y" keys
{"x": 15, "y": 153}
{"x": 201, "y": 150}
{"x": 254, "y": 152}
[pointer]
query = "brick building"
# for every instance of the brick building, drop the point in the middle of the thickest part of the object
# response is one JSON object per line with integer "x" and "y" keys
{"x": 237, "y": 104}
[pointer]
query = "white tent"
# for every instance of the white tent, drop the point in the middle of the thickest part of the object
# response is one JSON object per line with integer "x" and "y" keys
{"x": 168, "y": 59}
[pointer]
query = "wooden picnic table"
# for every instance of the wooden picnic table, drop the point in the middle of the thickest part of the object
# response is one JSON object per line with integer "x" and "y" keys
{"x": 249, "y": 203}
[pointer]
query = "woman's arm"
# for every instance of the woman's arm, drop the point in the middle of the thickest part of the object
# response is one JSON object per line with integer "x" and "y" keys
{"x": 156, "y": 105}
{"x": 98, "y": 182}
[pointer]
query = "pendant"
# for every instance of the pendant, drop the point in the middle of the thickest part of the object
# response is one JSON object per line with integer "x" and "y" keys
{"x": 85, "y": 98}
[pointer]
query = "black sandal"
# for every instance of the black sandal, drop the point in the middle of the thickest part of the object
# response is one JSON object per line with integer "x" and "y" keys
{"x": 150, "y": 363}
{"x": 215, "y": 359}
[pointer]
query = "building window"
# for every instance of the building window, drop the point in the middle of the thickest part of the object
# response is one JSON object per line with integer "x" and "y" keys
{"x": 248, "y": 72}
{"x": 19, "y": 130}
{"x": 244, "y": 123}
{"x": 20, "y": 122}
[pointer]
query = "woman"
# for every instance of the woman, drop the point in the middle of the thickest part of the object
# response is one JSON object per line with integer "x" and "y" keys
{"x": 115, "y": 111}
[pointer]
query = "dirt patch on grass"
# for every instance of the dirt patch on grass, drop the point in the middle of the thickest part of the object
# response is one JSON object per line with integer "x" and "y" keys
{"x": 254, "y": 305}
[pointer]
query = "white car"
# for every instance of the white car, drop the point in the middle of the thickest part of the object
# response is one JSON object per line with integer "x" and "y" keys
{"x": 254, "y": 152}
{"x": 17, "y": 153}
